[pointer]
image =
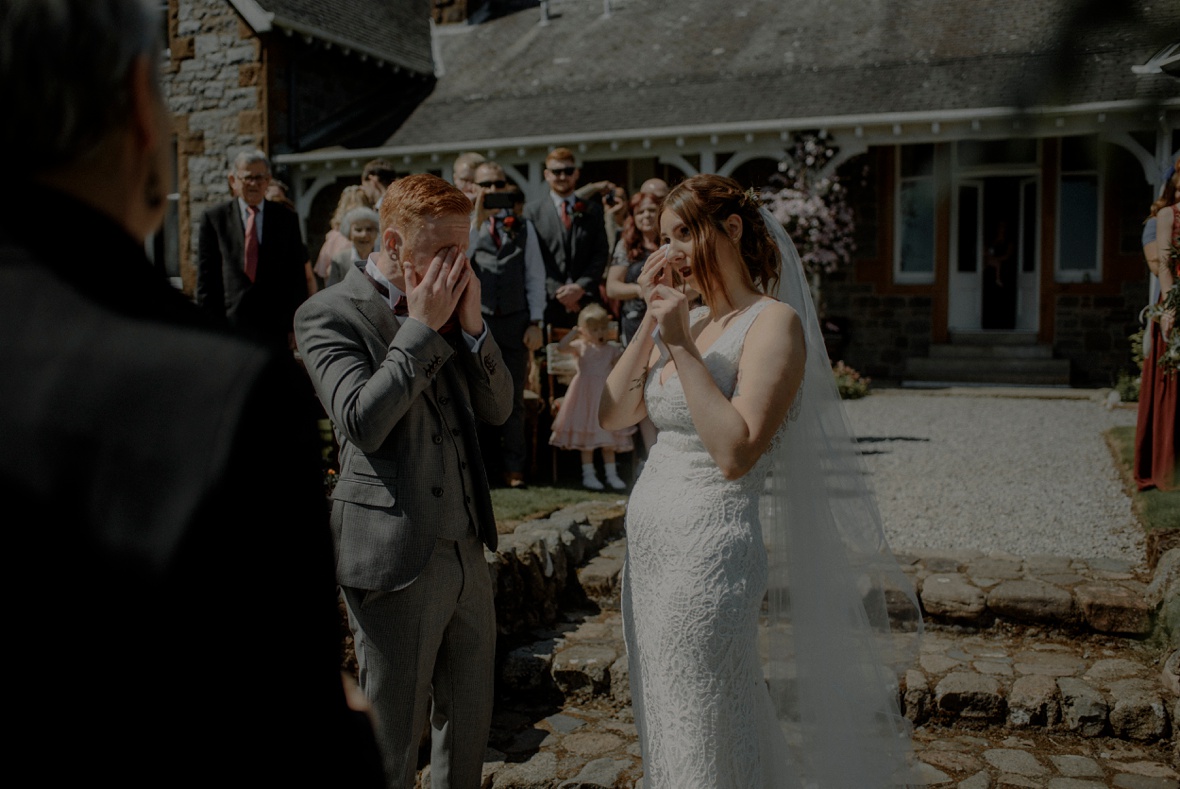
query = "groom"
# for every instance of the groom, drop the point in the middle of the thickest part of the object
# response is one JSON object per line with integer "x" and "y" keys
{"x": 404, "y": 364}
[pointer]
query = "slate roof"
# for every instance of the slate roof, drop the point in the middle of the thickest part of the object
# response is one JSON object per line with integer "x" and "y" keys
{"x": 397, "y": 31}
{"x": 693, "y": 63}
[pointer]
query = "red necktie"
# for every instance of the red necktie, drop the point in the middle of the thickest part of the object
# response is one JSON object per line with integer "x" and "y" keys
{"x": 566, "y": 219}
{"x": 495, "y": 235}
{"x": 401, "y": 307}
{"x": 251, "y": 242}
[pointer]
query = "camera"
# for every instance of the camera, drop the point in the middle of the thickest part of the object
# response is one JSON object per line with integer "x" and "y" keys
{"x": 499, "y": 200}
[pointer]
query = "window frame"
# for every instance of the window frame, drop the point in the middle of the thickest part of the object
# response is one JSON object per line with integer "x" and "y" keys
{"x": 1093, "y": 274}
{"x": 901, "y": 276}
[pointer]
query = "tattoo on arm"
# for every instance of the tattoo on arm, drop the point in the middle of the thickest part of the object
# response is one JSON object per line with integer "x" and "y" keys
{"x": 638, "y": 382}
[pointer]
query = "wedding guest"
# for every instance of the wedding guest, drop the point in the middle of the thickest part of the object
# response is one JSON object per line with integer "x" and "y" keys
{"x": 376, "y": 177}
{"x": 576, "y": 426}
{"x": 251, "y": 258}
{"x": 640, "y": 238}
{"x": 463, "y": 173}
{"x": 360, "y": 226}
{"x": 573, "y": 240}
{"x": 163, "y": 466}
{"x": 335, "y": 241}
{"x": 1156, "y": 439}
{"x": 506, "y": 255}
{"x": 278, "y": 192}
{"x": 656, "y": 187}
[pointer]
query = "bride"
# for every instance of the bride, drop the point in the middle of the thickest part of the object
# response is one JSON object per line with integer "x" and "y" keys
{"x": 758, "y": 646}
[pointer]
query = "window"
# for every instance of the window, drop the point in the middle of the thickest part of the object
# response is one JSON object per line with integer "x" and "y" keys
{"x": 914, "y": 253}
{"x": 1078, "y": 231}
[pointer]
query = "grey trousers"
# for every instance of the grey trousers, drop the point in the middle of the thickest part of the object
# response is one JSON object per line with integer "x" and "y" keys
{"x": 431, "y": 642}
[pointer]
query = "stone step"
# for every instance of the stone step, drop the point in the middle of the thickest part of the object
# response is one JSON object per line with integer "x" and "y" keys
{"x": 600, "y": 577}
{"x": 993, "y": 338}
{"x": 1020, "y": 371}
{"x": 976, "y": 352}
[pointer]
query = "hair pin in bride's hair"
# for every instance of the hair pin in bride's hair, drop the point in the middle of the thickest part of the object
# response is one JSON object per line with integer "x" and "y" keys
{"x": 753, "y": 198}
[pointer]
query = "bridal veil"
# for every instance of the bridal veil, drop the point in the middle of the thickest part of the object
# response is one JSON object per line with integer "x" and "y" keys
{"x": 832, "y": 658}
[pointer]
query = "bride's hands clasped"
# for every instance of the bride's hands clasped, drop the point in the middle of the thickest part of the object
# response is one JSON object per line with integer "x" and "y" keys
{"x": 666, "y": 304}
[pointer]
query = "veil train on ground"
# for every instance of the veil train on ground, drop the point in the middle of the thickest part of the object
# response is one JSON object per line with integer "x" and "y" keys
{"x": 832, "y": 658}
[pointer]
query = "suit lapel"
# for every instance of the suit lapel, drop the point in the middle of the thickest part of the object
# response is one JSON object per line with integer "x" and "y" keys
{"x": 370, "y": 304}
{"x": 237, "y": 233}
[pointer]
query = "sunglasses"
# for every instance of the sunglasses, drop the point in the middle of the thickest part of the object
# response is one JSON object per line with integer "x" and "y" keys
{"x": 563, "y": 170}
{"x": 491, "y": 184}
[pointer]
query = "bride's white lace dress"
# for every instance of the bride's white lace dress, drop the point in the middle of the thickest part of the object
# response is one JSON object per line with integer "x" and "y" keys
{"x": 694, "y": 581}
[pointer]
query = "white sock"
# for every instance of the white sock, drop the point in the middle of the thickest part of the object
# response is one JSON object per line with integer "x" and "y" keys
{"x": 612, "y": 477}
{"x": 590, "y": 477}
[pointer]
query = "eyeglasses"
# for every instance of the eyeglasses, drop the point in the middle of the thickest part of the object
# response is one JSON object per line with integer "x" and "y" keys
{"x": 253, "y": 179}
{"x": 562, "y": 170}
{"x": 491, "y": 184}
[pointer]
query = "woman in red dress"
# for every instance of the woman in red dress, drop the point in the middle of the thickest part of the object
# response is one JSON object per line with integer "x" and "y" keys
{"x": 1156, "y": 430}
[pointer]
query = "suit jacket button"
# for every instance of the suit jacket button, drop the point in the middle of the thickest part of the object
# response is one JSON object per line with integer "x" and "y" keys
{"x": 438, "y": 439}
{"x": 437, "y": 492}
{"x": 444, "y": 400}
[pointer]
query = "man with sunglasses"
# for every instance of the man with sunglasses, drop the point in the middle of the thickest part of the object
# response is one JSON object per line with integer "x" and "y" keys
{"x": 250, "y": 257}
{"x": 506, "y": 254}
{"x": 573, "y": 240}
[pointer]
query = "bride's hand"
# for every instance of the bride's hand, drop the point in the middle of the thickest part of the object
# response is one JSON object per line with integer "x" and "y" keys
{"x": 669, "y": 307}
{"x": 655, "y": 272}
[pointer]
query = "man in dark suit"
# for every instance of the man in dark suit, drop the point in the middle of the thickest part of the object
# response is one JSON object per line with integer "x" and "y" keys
{"x": 172, "y": 502}
{"x": 404, "y": 364}
{"x": 573, "y": 237}
{"x": 506, "y": 255}
{"x": 252, "y": 280}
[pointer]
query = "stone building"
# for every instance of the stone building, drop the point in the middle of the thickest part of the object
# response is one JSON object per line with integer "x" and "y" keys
{"x": 1053, "y": 117}
{"x": 285, "y": 76}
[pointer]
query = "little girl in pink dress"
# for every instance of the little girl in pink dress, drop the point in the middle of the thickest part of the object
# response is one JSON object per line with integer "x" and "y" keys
{"x": 576, "y": 425}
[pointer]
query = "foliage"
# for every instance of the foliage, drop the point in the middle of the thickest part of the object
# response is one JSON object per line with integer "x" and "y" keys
{"x": 1127, "y": 387}
{"x": 813, "y": 207}
{"x": 1169, "y": 358}
{"x": 1156, "y": 509}
{"x": 851, "y": 384}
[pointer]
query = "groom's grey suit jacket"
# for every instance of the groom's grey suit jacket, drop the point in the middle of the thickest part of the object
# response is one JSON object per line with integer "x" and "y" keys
{"x": 404, "y": 403}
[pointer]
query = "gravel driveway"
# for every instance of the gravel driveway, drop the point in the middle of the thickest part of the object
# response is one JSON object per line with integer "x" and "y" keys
{"x": 967, "y": 470}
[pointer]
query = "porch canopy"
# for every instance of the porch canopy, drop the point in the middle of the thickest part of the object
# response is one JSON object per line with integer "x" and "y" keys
{"x": 707, "y": 85}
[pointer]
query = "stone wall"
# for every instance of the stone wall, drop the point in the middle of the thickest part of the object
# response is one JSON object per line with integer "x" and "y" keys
{"x": 1092, "y": 332}
{"x": 215, "y": 86}
{"x": 881, "y": 330}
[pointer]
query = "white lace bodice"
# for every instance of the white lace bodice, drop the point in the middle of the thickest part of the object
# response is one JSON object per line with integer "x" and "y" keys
{"x": 693, "y": 587}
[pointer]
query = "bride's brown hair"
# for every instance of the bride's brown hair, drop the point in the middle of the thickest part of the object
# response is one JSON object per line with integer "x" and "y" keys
{"x": 703, "y": 203}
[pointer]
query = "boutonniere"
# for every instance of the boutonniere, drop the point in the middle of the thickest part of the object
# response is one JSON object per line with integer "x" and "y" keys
{"x": 510, "y": 225}
{"x": 579, "y": 209}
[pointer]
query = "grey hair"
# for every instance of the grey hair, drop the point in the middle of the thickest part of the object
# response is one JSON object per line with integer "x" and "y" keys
{"x": 249, "y": 156}
{"x": 467, "y": 160}
{"x": 356, "y": 215}
{"x": 64, "y": 67}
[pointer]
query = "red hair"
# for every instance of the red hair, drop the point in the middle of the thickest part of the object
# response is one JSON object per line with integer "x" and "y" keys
{"x": 561, "y": 155}
{"x": 633, "y": 242}
{"x": 410, "y": 200}
{"x": 703, "y": 203}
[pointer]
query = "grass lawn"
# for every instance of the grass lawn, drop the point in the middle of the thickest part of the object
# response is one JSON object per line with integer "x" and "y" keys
{"x": 536, "y": 501}
{"x": 1156, "y": 509}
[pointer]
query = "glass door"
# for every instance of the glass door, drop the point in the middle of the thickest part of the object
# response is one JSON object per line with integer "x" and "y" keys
{"x": 966, "y": 294}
